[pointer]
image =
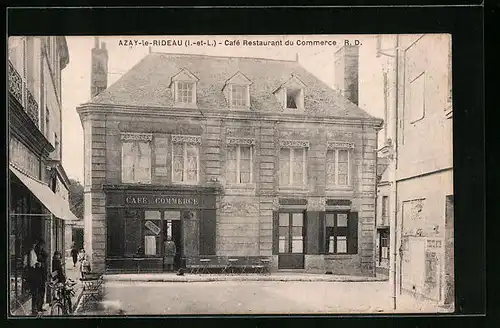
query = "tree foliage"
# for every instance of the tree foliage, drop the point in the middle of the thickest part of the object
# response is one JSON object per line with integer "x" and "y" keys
{"x": 76, "y": 198}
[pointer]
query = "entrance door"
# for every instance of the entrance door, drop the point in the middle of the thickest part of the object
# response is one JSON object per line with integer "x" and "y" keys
{"x": 172, "y": 228}
{"x": 291, "y": 240}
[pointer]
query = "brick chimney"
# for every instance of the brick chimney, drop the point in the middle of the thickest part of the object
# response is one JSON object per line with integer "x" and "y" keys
{"x": 99, "y": 70}
{"x": 347, "y": 71}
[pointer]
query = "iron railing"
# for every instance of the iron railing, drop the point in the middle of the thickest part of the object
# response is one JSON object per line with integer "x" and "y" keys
{"x": 19, "y": 90}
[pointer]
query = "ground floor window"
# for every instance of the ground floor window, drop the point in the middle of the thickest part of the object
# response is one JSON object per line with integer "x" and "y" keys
{"x": 341, "y": 232}
{"x": 383, "y": 250}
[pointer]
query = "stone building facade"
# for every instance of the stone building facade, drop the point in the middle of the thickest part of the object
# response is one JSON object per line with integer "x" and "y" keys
{"x": 419, "y": 179}
{"x": 38, "y": 184}
{"x": 230, "y": 157}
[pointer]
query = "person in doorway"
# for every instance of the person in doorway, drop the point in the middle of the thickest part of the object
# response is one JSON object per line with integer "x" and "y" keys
{"x": 169, "y": 253}
{"x": 33, "y": 276}
{"x": 43, "y": 257}
{"x": 74, "y": 253}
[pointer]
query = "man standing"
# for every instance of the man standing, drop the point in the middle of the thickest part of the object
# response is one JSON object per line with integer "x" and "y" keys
{"x": 33, "y": 278}
{"x": 74, "y": 253}
{"x": 42, "y": 257}
{"x": 169, "y": 254}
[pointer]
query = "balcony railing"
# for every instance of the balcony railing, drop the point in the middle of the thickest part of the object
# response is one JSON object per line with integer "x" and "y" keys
{"x": 19, "y": 90}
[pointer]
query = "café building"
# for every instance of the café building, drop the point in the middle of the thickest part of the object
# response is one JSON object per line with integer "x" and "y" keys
{"x": 229, "y": 157}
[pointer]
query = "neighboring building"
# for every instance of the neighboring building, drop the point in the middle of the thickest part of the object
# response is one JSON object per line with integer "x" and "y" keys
{"x": 230, "y": 157}
{"x": 382, "y": 241}
{"x": 418, "y": 134}
{"x": 38, "y": 185}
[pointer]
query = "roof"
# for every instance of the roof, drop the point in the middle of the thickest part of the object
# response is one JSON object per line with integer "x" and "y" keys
{"x": 146, "y": 84}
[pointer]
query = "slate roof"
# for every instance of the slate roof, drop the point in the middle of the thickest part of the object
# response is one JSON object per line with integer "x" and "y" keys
{"x": 146, "y": 84}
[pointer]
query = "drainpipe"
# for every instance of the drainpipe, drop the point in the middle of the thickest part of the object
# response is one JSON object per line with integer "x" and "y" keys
{"x": 394, "y": 194}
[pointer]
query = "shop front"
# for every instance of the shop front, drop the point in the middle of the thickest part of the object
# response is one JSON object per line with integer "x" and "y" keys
{"x": 140, "y": 220}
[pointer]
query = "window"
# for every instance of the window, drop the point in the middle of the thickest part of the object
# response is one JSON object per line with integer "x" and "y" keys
{"x": 291, "y": 232}
{"x": 385, "y": 210}
{"x": 416, "y": 97}
{"x": 132, "y": 225}
{"x": 152, "y": 233}
{"x": 185, "y": 92}
{"x": 136, "y": 160}
{"x": 293, "y": 166}
{"x": 47, "y": 122}
{"x": 239, "y": 164}
{"x": 336, "y": 233}
{"x": 383, "y": 257}
{"x": 239, "y": 96}
{"x": 293, "y": 98}
{"x": 338, "y": 167}
{"x": 185, "y": 159}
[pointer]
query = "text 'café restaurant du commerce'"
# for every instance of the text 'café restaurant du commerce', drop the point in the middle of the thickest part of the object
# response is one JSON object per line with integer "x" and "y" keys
{"x": 231, "y": 158}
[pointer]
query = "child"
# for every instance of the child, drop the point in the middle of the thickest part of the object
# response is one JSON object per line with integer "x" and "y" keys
{"x": 85, "y": 266}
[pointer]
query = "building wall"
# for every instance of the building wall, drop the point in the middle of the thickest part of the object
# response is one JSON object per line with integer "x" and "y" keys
{"x": 244, "y": 216}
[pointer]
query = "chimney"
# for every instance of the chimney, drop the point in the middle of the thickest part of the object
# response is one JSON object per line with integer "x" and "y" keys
{"x": 347, "y": 71}
{"x": 99, "y": 68}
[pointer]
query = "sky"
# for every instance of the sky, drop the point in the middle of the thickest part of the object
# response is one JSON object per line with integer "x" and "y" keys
{"x": 319, "y": 60}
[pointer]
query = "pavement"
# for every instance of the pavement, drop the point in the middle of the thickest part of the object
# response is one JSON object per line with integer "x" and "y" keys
{"x": 279, "y": 276}
{"x": 257, "y": 297}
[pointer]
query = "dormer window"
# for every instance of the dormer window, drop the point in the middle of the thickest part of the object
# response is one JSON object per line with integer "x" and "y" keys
{"x": 291, "y": 94}
{"x": 293, "y": 97}
{"x": 184, "y": 88}
{"x": 237, "y": 91}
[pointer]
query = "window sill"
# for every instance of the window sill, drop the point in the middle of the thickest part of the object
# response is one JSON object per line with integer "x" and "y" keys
{"x": 186, "y": 105}
{"x": 136, "y": 183}
{"x": 338, "y": 256}
{"x": 195, "y": 183}
{"x": 294, "y": 189}
{"x": 241, "y": 186}
{"x": 240, "y": 109}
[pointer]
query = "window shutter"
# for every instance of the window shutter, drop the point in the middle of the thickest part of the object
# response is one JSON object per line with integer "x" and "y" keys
{"x": 275, "y": 232}
{"x": 208, "y": 232}
{"x": 312, "y": 238}
{"x": 352, "y": 247}
{"x": 115, "y": 225}
{"x": 321, "y": 233}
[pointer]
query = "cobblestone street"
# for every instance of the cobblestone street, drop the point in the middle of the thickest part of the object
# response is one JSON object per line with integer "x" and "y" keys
{"x": 267, "y": 297}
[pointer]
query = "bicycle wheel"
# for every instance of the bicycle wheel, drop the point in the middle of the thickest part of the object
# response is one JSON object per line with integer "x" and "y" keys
{"x": 57, "y": 309}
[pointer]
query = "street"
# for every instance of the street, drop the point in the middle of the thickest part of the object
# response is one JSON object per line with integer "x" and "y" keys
{"x": 269, "y": 297}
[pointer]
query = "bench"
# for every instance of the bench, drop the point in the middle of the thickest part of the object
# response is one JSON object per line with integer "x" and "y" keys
{"x": 92, "y": 287}
{"x": 227, "y": 264}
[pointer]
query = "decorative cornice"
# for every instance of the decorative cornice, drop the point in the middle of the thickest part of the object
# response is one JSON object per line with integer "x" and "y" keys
{"x": 132, "y": 136}
{"x": 340, "y": 145}
{"x": 196, "y": 140}
{"x": 294, "y": 144}
{"x": 241, "y": 141}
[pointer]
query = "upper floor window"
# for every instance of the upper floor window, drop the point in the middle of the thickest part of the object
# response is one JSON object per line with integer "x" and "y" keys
{"x": 338, "y": 160}
{"x": 237, "y": 91}
{"x": 185, "y": 159}
{"x": 416, "y": 98}
{"x": 184, "y": 87}
{"x": 185, "y": 92}
{"x": 293, "y": 163}
{"x": 385, "y": 210}
{"x": 291, "y": 94}
{"x": 239, "y": 161}
{"x": 239, "y": 96}
{"x": 136, "y": 157}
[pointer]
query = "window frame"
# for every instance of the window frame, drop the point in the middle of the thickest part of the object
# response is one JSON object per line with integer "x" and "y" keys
{"x": 238, "y": 165}
{"x": 291, "y": 159}
{"x": 184, "y": 166}
{"x": 336, "y": 184}
{"x": 384, "y": 207}
{"x": 246, "y": 96}
{"x": 289, "y": 236}
{"x": 178, "y": 98}
{"x": 134, "y": 180}
{"x": 336, "y": 233}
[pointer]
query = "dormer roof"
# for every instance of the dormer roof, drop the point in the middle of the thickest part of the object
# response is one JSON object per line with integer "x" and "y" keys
{"x": 184, "y": 75}
{"x": 292, "y": 83}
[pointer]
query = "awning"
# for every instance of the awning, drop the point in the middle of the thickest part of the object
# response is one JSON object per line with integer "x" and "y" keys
{"x": 54, "y": 203}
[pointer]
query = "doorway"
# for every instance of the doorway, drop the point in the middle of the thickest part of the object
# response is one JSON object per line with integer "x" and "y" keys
{"x": 172, "y": 228}
{"x": 291, "y": 240}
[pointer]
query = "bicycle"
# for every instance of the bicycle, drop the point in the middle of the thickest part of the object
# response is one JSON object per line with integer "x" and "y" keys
{"x": 61, "y": 299}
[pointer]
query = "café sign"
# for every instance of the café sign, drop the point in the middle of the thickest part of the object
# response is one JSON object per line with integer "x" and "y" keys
{"x": 161, "y": 200}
